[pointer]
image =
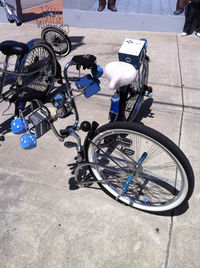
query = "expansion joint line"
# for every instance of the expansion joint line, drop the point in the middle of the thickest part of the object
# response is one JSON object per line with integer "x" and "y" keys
{"x": 179, "y": 142}
{"x": 182, "y": 89}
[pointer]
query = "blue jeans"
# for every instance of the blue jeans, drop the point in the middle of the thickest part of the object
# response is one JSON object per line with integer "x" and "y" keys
{"x": 193, "y": 10}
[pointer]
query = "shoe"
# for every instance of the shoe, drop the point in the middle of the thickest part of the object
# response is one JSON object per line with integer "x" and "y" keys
{"x": 184, "y": 34}
{"x": 112, "y": 8}
{"x": 101, "y": 8}
{"x": 102, "y": 5}
{"x": 198, "y": 34}
{"x": 178, "y": 11}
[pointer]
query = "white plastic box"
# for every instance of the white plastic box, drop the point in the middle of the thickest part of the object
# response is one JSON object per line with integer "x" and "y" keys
{"x": 131, "y": 51}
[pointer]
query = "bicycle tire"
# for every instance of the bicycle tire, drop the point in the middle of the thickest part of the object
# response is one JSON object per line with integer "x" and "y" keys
{"x": 130, "y": 103}
{"x": 163, "y": 182}
{"x": 41, "y": 54}
{"x": 58, "y": 39}
{"x": 132, "y": 98}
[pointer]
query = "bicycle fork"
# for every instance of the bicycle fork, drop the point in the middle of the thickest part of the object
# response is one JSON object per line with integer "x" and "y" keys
{"x": 131, "y": 177}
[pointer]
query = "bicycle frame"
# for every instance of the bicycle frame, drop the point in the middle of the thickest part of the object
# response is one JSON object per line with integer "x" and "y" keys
{"x": 69, "y": 130}
{"x": 17, "y": 74}
{"x": 10, "y": 13}
{"x": 74, "y": 127}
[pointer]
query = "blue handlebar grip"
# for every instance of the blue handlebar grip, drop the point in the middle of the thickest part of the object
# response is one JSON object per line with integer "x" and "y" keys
{"x": 97, "y": 72}
{"x": 146, "y": 42}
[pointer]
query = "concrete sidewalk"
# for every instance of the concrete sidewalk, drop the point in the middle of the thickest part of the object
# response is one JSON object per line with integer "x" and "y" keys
{"x": 46, "y": 222}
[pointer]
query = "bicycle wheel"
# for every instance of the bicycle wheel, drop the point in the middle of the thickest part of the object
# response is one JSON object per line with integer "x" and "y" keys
{"x": 40, "y": 55}
{"x": 144, "y": 71}
{"x": 132, "y": 98}
{"x": 140, "y": 167}
{"x": 58, "y": 39}
{"x": 130, "y": 103}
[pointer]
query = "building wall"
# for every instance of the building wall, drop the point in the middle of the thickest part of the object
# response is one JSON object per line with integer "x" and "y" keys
{"x": 78, "y": 4}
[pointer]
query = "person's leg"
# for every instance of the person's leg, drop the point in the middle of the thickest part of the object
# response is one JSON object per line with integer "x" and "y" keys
{"x": 189, "y": 18}
{"x": 111, "y": 5}
{"x": 102, "y": 4}
{"x": 198, "y": 21}
{"x": 180, "y": 5}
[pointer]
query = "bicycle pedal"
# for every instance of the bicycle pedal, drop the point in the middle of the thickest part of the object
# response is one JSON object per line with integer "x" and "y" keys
{"x": 64, "y": 132}
{"x": 70, "y": 144}
{"x": 85, "y": 183}
{"x": 124, "y": 141}
{"x": 128, "y": 152}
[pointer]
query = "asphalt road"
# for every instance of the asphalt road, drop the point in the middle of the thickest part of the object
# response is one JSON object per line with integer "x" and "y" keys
{"x": 29, "y": 3}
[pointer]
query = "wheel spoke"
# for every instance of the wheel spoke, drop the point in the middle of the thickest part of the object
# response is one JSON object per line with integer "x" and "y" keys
{"x": 158, "y": 183}
{"x": 40, "y": 56}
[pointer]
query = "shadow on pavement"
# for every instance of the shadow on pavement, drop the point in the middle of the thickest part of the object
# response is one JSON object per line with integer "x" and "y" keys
{"x": 5, "y": 127}
{"x": 85, "y": 176}
{"x": 27, "y": 17}
{"x": 77, "y": 41}
{"x": 145, "y": 110}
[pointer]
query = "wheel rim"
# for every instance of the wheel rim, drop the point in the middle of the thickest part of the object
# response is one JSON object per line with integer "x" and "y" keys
{"x": 38, "y": 57}
{"x": 59, "y": 43}
{"x": 161, "y": 183}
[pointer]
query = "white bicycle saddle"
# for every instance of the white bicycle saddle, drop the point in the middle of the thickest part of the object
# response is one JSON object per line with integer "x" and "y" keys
{"x": 120, "y": 74}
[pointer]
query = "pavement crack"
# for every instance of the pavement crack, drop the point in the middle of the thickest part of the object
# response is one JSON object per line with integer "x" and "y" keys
{"x": 180, "y": 72}
{"x": 169, "y": 241}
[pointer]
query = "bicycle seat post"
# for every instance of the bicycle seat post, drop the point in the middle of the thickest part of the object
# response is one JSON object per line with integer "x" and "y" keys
{"x": 18, "y": 63}
{"x": 17, "y": 68}
{"x": 3, "y": 78}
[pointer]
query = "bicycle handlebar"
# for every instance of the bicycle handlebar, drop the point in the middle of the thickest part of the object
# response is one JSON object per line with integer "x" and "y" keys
{"x": 70, "y": 63}
{"x": 10, "y": 14}
{"x": 96, "y": 71}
